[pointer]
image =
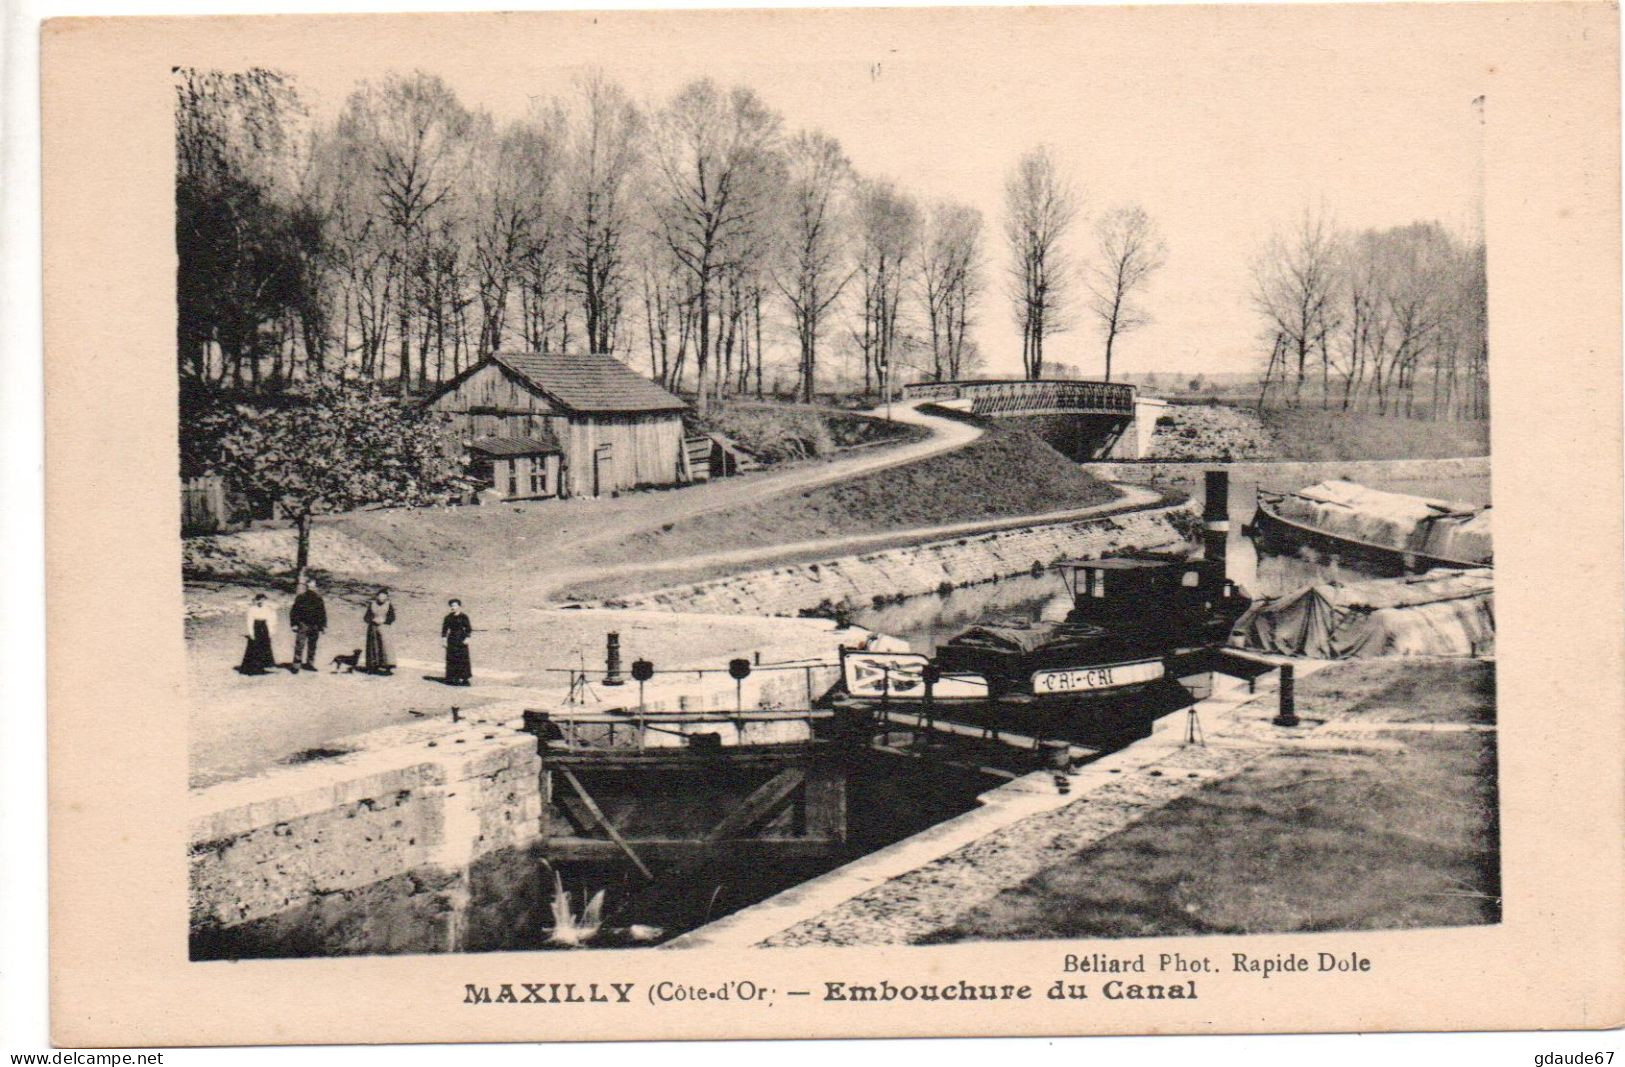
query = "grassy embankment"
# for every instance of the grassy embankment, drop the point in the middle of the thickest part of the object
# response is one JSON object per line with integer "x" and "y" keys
{"x": 775, "y": 432}
{"x": 1397, "y": 829}
{"x": 1003, "y": 473}
{"x": 383, "y": 541}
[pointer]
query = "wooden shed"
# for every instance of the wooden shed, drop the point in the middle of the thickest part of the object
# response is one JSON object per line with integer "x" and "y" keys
{"x": 518, "y": 468}
{"x": 609, "y": 427}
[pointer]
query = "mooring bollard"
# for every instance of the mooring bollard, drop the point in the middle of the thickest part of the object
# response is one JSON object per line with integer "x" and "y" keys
{"x": 1288, "y": 715}
{"x": 642, "y": 671}
{"x": 739, "y": 670}
{"x": 612, "y": 660}
{"x": 1056, "y": 756}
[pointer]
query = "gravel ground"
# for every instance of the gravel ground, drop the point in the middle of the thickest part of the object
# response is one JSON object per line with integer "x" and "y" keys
{"x": 1187, "y": 432}
{"x": 271, "y": 552}
{"x": 923, "y": 901}
{"x": 910, "y": 908}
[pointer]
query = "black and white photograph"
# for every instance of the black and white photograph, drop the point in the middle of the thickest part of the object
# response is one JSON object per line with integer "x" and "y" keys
{"x": 861, "y": 523}
{"x": 631, "y": 508}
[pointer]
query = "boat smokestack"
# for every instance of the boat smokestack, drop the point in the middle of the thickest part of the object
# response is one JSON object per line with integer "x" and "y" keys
{"x": 1216, "y": 521}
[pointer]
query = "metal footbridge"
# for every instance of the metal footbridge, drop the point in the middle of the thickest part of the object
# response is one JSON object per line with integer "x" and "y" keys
{"x": 1021, "y": 397}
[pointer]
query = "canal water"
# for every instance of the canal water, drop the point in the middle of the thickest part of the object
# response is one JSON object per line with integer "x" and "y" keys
{"x": 927, "y": 621}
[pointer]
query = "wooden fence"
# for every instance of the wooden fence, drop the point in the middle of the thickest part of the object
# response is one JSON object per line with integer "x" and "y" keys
{"x": 203, "y": 505}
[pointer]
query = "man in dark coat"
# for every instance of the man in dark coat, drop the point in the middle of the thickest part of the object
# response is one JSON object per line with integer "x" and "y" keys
{"x": 308, "y": 617}
{"x": 455, "y": 630}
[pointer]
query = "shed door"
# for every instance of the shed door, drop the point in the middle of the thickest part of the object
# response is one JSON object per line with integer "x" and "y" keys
{"x": 603, "y": 468}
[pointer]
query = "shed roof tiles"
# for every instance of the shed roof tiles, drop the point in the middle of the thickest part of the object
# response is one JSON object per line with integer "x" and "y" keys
{"x": 589, "y": 382}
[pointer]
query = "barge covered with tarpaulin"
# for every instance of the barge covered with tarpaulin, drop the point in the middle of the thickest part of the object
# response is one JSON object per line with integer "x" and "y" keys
{"x": 1441, "y": 613}
{"x": 1383, "y": 533}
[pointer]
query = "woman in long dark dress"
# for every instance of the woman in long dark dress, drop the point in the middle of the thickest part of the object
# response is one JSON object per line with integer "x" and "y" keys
{"x": 257, "y": 628}
{"x": 454, "y": 630}
{"x": 379, "y": 614}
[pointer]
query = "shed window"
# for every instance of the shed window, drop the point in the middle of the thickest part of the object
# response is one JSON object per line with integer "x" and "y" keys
{"x": 538, "y": 476}
{"x": 1097, "y": 583}
{"x": 513, "y": 477}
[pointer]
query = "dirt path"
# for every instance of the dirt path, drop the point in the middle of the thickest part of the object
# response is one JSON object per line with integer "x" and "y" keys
{"x": 520, "y": 547}
{"x": 945, "y": 436}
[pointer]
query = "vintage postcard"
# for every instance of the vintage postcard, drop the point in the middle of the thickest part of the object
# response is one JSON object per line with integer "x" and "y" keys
{"x": 842, "y": 522}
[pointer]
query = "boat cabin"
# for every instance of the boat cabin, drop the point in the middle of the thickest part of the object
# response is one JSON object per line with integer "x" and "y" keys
{"x": 1107, "y": 586}
{"x": 1177, "y": 599}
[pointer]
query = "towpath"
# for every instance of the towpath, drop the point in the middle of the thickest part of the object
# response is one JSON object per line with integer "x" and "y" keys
{"x": 1132, "y": 497}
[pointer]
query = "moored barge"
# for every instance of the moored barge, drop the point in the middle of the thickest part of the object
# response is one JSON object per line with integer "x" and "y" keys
{"x": 1380, "y": 533}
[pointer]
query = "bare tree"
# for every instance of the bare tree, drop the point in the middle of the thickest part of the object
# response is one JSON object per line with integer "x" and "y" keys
{"x": 248, "y": 240}
{"x": 949, "y": 280}
{"x": 1364, "y": 329}
{"x": 1295, "y": 289}
{"x": 707, "y": 147}
{"x": 1040, "y": 207}
{"x": 745, "y": 255}
{"x": 1129, "y": 251}
{"x": 668, "y": 308}
{"x": 1417, "y": 268}
{"x": 812, "y": 270}
{"x": 605, "y": 139}
{"x": 410, "y": 132}
{"x": 514, "y": 178}
{"x": 889, "y": 229}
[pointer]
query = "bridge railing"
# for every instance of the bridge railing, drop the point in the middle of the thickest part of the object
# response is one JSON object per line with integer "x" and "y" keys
{"x": 931, "y": 391}
{"x": 1029, "y": 397}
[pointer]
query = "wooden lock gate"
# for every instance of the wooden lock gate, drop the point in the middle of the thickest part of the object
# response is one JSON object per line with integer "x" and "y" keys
{"x": 673, "y": 788}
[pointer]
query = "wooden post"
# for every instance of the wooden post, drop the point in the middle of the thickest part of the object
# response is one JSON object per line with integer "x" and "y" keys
{"x": 1288, "y": 715}
{"x": 302, "y": 552}
{"x": 545, "y": 828}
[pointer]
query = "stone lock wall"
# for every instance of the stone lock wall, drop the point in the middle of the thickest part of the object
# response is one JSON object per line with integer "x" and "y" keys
{"x": 332, "y": 858}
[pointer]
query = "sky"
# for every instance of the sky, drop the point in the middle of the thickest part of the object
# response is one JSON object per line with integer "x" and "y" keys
{"x": 1224, "y": 124}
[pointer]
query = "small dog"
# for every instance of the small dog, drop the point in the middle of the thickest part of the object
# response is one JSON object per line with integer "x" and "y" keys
{"x": 350, "y": 662}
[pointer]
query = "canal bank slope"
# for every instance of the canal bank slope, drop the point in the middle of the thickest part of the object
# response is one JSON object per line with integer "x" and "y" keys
{"x": 1257, "y": 829}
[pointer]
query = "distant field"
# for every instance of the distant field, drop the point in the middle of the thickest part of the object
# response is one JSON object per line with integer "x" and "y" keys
{"x": 1399, "y": 831}
{"x": 1239, "y": 432}
{"x": 1313, "y": 434}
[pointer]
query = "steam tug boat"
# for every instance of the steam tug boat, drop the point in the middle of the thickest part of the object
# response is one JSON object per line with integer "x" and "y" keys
{"x": 1103, "y": 674}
